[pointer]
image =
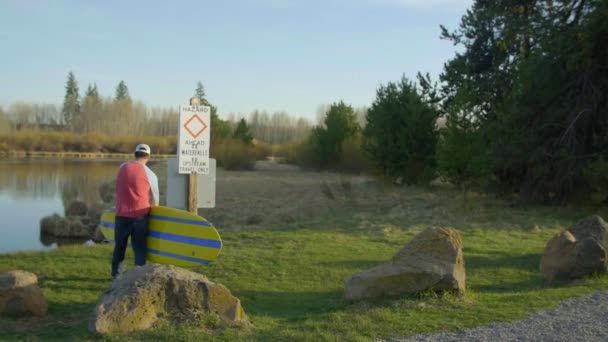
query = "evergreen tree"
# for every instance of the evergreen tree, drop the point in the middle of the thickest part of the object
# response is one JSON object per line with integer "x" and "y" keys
{"x": 243, "y": 133}
{"x": 536, "y": 73}
{"x": 92, "y": 91}
{"x": 219, "y": 128}
{"x": 200, "y": 94}
{"x": 340, "y": 123}
{"x": 71, "y": 104}
{"x": 400, "y": 133}
{"x": 122, "y": 92}
{"x": 462, "y": 154}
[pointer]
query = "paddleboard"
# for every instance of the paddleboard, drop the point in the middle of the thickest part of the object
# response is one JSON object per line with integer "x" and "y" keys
{"x": 175, "y": 237}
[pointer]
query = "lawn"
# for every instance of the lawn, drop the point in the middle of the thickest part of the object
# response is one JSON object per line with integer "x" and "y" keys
{"x": 289, "y": 268}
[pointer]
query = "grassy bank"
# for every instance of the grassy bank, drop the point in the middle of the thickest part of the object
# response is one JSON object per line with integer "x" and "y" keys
{"x": 86, "y": 155}
{"x": 230, "y": 153}
{"x": 290, "y": 280}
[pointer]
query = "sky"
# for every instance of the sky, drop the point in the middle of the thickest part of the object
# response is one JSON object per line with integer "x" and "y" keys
{"x": 274, "y": 55}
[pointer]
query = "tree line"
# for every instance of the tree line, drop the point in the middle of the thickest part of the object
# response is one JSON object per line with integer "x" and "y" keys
{"x": 524, "y": 104}
{"x": 120, "y": 115}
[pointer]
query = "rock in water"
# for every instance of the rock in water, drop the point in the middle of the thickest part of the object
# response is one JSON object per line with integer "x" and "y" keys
{"x": 576, "y": 252}
{"x": 76, "y": 208}
{"x": 107, "y": 192}
{"x": 143, "y": 295}
{"x": 432, "y": 260}
{"x": 67, "y": 227}
{"x": 20, "y": 294}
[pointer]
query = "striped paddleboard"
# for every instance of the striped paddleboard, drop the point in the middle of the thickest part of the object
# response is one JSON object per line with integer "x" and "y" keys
{"x": 175, "y": 237}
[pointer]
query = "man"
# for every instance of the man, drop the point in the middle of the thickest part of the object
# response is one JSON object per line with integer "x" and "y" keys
{"x": 136, "y": 192}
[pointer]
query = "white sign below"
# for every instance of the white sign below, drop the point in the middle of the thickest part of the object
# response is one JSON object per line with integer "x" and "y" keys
{"x": 177, "y": 187}
{"x": 194, "y": 139}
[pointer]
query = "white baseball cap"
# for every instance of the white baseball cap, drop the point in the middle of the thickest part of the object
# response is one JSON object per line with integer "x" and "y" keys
{"x": 143, "y": 148}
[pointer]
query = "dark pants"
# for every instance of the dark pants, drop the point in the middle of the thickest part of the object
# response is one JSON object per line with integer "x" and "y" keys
{"x": 124, "y": 227}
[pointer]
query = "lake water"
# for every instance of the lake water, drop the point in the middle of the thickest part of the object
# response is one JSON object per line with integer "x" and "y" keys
{"x": 31, "y": 189}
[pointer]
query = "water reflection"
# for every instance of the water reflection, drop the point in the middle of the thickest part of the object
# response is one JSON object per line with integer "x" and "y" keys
{"x": 34, "y": 188}
{"x": 69, "y": 179}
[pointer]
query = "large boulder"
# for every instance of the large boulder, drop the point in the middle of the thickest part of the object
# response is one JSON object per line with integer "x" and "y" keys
{"x": 20, "y": 294}
{"x": 591, "y": 227}
{"x": 144, "y": 295}
{"x": 433, "y": 260}
{"x": 579, "y": 251}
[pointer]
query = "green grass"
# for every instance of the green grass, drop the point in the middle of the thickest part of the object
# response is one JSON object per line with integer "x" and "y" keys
{"x": 290, "y": 280}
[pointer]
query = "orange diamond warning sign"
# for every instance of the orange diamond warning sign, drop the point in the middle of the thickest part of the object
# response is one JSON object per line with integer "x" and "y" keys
{"x": 195, "y": 126}
{"x": 193, "y": 143}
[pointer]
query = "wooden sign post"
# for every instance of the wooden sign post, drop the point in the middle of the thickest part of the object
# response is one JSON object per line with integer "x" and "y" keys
{"x": 192, "y": 199}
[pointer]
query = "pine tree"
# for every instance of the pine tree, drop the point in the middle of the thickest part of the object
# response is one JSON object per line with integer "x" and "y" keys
{"x": 122, "y": 92}
{"x": 340, "y": 123}
{"x": 71, "y": 104}
{"x": 92, "y": 91}
{"x": 462, "y": 155}
{"x": 200, "y": 94}
{"x": 243, "y": 133}
{"x": 219, "y": 128}
{"x": 400, "y": 133}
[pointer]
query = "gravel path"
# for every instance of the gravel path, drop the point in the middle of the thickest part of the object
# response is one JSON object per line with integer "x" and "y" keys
{"x": 581, "y": 319}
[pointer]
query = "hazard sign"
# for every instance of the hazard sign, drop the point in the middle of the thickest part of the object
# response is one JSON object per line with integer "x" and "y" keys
{"x": 193, "y": 139}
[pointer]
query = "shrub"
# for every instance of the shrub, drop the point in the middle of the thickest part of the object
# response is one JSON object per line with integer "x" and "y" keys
{"x": 4, "y": 148}
{"x": 299, "y": 153}
{"x": 25, "y": 140}
{"x": 92, "y": 142}
{"x": 67, "y": 140}
{"x": 162, "y": 146}
{"x": 261, "y": 150}
{"x": 285, "y": 152}
{"x": 233, "y": 154}
{"x": 353, "y": 159}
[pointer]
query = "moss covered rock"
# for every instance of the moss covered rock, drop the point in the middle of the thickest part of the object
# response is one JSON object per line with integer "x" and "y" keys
{"x": 144, "y": 295}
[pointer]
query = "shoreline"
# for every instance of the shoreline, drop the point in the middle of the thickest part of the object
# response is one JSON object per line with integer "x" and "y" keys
{"x": 84, "y": 155}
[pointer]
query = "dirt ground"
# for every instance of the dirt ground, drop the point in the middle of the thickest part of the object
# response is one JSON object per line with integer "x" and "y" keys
{"x": 280, "y": 194}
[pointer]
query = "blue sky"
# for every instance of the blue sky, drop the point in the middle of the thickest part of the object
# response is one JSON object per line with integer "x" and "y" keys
{"x": 251, "y": 54}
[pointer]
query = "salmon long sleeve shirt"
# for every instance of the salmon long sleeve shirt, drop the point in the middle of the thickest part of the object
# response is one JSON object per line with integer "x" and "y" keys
{"x": 136, "y": 190}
